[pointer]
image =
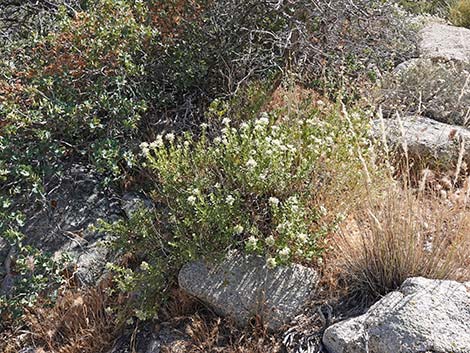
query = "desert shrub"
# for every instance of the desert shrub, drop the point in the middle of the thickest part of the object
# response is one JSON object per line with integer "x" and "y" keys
{"x": 119, "y": 70}
{"x": 20, "y": 18}
{"x": 100, "y": 80}
{"x": 30, "y": 274}
{"x": 396, "y": 236}
{"x": 460, "y": 13}
{"x": 434, "y": 7}
{"x": 257, "y": 187}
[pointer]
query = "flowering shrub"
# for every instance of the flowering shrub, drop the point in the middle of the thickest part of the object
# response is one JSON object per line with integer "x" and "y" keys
{"x": 252, "y": 186}
{"x": 257, "y": 186}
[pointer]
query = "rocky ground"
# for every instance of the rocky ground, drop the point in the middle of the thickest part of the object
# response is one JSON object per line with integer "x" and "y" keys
{"x": 425, "y": 111}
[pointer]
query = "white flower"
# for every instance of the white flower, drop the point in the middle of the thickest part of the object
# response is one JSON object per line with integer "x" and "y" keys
{"x": 144, "y": 146}
{"x": 238, "y": 229}
{"x": 192, "y": 200}
{"x": 230, "y": 200}
{"x": 292, "y": 148}
{"x": 293, "y": 200}
{"x": 259, "y": 127}
{"x": 158, "y": 142}
{"x": 140, "y": 314}
{"x": 284, "y": 253}
{"x": 204, "y": 126}
{"x": 244, "y": 126}
{"x": 186, "y": 143}
{"x": 273, "y": 201}
{"x": 252, "y": 242}
{"x": 144, "y": 266}
{"x": 217, "y": 140}
{"x": 270, "y": 241}
{"x": 195, "y": 191}
{"x": 251, "y": 163}
{"x": 302, "y": 237}
{"x": 226, "y": 121}
{"x": 170, "y": 137}
{"x": 263, "y": 120}
{"x": 271, "y": 262}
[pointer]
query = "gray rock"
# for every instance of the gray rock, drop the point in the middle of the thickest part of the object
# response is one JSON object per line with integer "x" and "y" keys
{"x": 74, "y": 200}
{"x": 437, "y": 84}
{"x": 131, "y": 202}
{"x": 424, "y": 138}
{"x": 423, "y": 316}
{"x": 441, "y": 41}
{"x": 438, "y": 90}
{"x": 242, "y": 286}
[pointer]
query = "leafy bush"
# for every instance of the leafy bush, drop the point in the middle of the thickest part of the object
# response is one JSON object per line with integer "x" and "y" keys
{"x": 460, "y": 13}
{"x": 257, "y": 187}
{"x": 107, "y": 76}
{"x": 32, "y": 274}
{"x": 98, "y": 81}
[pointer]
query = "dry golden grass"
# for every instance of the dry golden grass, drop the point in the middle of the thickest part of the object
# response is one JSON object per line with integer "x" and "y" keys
{"x": 78, "y": 322}
{"x": 208, "y": 333}
{"x": 460, "y": 13}
{"x": 401, "y": 233}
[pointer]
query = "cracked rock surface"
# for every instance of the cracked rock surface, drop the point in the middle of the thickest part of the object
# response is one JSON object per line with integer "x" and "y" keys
{"x": 424, "y": 315}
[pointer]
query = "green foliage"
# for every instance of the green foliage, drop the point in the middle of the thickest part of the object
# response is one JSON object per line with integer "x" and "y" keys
{"x": 460, "y": 13}
{"x": 91, "y": 87}
{"x": 32, "y": 274}
{"x": 253, "y": 187}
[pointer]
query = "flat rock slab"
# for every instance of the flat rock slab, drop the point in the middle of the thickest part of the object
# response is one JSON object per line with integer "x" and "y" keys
{"x": 242, "y": 286}
{"x": 424, "y": 138}
{"x": 423, "y": 316}
{"x": 441, "y": 41}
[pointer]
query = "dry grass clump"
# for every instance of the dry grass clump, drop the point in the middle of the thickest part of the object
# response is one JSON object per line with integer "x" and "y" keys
{"x": 202, "y": 331}
{"x": 79, "y": 322}
{"x": 208, "y": 333}
{"x": 402, "y": 233}
{"x": 460, "y": 13}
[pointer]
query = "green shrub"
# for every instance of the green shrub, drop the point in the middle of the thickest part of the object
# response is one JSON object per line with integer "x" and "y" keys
{"x": 31, "y": 275}
{"x": 258, "y": 187}
{"x": 460, "y": 13}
